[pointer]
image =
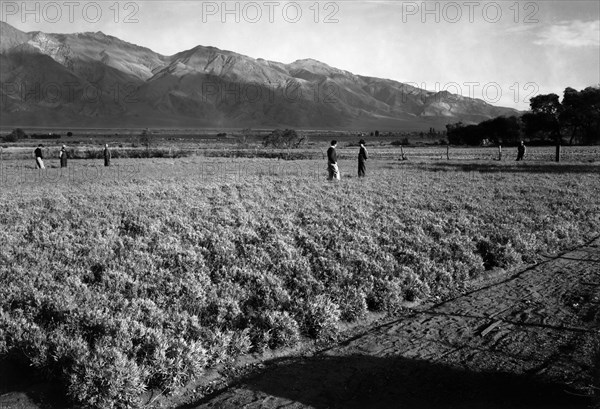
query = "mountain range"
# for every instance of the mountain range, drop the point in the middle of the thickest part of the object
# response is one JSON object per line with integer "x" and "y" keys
{"x": 96, "y": 80}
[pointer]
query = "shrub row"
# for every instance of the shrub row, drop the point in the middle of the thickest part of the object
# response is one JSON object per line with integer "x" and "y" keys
{"x": 148, "y": 283}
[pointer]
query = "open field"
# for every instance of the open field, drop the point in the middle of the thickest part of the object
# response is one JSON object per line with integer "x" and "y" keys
{"x": 316, "y": 150}
{"x": 143, "y": 275}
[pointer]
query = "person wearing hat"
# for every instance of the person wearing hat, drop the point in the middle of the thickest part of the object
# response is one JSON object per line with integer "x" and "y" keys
{"x": 106, "y": 155}
{"x": 63, "y": 157}
{"x": 362, "y": 158}
{"x": 521, "y": 151}
{"x": 332, "y": 167}
{"x": 39, "y": 158}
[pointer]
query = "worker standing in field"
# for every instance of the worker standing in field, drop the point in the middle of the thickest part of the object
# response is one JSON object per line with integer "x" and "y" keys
{"x": 106, "y": 155}
{"x": 63, "y": 157}
{"x": 39, "y": 157}
{"x": 362, "y": 158}
{"x": 521, "y": 151}
{"x": 332, "y": 167}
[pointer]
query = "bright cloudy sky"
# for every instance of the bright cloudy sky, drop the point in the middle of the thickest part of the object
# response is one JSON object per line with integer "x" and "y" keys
{"x": 503, "y": 52}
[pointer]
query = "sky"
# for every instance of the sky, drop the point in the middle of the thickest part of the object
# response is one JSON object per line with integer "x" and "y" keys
{"x": 503, "y": 52}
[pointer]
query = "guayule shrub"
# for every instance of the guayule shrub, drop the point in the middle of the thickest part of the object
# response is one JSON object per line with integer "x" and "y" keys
{"x": 497, "y": 252}
{"x": 218, "y": 344}
{"x": 106, "y": 378}
{"x": 176, "y": 361}
{"x": 526, "y": 245}
{"x": 4, "y": 323}
{"x": 113, "y": 285}
{"x": 241, "y": 343}
{"x": 353, "y": 304}
{"x": 283, "y": 329}
{"x": 321, "y": 318}
{"x": 222, "y": 313}
{"x": 29, "y": 340}
{"x": 413, "y": 286}
{"x": 66, "y": 350}
{"x": 259, "y": 336}
{"x": 272, "y": 329}
{"x": 386, "y": 294}
{"x": 146, "y": 312}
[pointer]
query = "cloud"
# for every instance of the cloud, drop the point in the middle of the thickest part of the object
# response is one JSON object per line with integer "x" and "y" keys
{"x": 574, "y": 33}
{"x": 518, "y": 29}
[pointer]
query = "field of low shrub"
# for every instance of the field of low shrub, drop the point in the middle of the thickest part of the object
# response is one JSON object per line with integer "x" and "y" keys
{"x": 126, "y": 281}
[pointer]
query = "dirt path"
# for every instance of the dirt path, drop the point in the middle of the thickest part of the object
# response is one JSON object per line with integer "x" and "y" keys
{"x": 529, "y": 341}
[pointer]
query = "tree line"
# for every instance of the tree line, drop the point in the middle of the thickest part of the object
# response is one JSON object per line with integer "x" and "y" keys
{"x": 574, "y": 120}
{"x": 18, "y": 134}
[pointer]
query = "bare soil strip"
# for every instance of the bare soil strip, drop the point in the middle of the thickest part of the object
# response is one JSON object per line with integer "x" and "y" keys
{"x": 530, "y": 341}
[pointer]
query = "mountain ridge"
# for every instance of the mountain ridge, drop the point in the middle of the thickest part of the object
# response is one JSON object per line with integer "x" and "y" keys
{"x": 100, "y": 78}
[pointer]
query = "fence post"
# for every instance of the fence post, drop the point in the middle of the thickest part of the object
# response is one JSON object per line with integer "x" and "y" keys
{"x": 558, "y": 152}
{"x": 499, "y": 152}
{"x": 448, "y": 152}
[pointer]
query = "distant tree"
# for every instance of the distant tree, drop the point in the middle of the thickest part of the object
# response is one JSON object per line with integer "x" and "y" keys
{"x": 15, "y": 135}
{"x": 591, "y": 119}
{"x": 501, "y": 130}
{"x": 542, "y": 121}
{"x": 11, "y": 137}
{"x": 69, "y": 133}
{"x": 244, "y": 137}
{"x": 544, "y": 118}
{"x": 146, "y": 140}
{"x": 453, "y": 133}
{"x": 288, "y": 138}
{"x": 580, "y": 116}
{"x": 571, "y": 116}
{"x": 547, "y": 104}
{"x": 376, "y": 134}
{"x": 459, "y": 134}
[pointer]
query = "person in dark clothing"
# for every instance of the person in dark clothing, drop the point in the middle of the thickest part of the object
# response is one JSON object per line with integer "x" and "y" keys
{"x": 39, "y": 158}
{"x": 362, "y": 158}
{"x": 63, "y": 157}
{"x": 521, "y": 151}
{"x": 106, "y": 155}
{"x": 332, "y": 167}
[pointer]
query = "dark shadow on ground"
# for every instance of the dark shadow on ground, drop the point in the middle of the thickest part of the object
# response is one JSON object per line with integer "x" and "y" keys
{"x": 359, "y": 381}
{"x": 22, "y": 387}
{"x": 517, "y": 167}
